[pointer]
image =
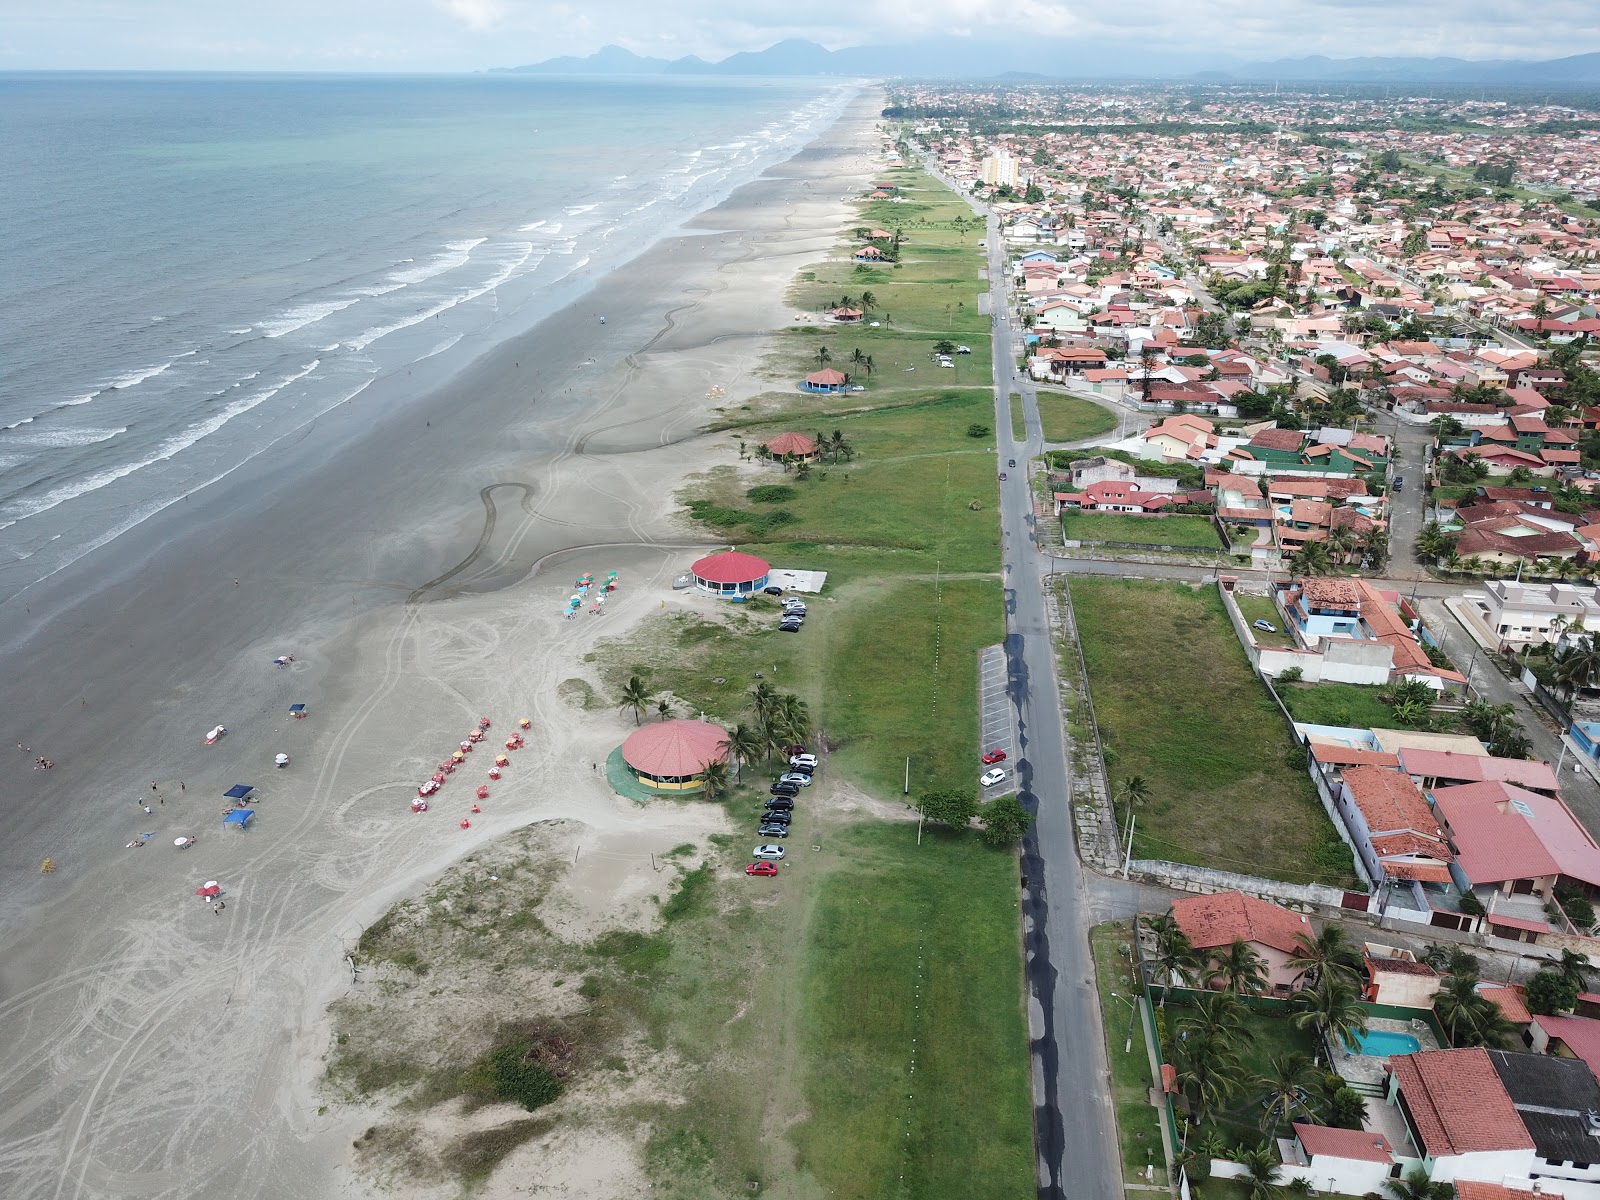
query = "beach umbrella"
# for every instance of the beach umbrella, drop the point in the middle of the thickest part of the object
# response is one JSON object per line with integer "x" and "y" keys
{"x": 458, "y": 756}
{"x": 183, "y": 841}
{"x": 501, "y": 760}
{"x": 523, "y": 722}
{"x": 211, "y": 889}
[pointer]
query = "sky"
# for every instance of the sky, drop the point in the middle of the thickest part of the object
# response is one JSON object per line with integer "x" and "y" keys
{"x": 472, "y": 35}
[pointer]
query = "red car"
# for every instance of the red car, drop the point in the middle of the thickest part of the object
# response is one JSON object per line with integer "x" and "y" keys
{"x": 993, "y": 757}
{"x": 761, "y": 868}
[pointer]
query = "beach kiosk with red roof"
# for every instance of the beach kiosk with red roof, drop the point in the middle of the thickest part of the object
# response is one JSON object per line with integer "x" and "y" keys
{"x": 793, "y": 445}
{"x": 825, "y": 380}
{"x": 731, "y": 575}
{"x": 672, "y": 756}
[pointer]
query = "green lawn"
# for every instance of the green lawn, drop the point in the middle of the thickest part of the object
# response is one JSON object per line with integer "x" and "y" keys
{"x": 1259, "y": 608}
{"x": 1070, "y": 419}
{"x": 1138, "y": 1124}
{"x": 915, "y": 1065}
{"x": 1337, "y": 704}
{"x": 1179, "y": 705}
{"x": 919, "y": 490}
{"x": 1183, "y": 531}
{"x": 1019, "y": 418}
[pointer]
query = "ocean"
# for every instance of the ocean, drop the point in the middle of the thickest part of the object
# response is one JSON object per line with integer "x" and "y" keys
{"x": 196, "y": 267}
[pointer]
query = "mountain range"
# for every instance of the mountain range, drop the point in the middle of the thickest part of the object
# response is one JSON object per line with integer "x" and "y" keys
{"x": 1048, "y": 60}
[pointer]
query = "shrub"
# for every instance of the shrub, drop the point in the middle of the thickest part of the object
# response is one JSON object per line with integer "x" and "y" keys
{"x": 977, "y": 431}
{"x": 770, "y": 493}
{"x": 517, "y": 1078}
{"x": 1292, "y": 675}
{"x": 1471, "y": 905}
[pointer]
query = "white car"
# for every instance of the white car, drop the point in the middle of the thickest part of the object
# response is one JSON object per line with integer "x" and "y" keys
{"x": 767, "y": 851}
{"x": 804, "y": 760}
{"x": 990, "y": 778}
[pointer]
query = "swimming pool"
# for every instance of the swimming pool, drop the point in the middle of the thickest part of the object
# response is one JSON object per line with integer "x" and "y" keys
{"x": 1380, "y": 1043}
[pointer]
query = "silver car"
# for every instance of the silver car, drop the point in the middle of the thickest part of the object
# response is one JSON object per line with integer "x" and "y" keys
{"x": 767, "y": 851}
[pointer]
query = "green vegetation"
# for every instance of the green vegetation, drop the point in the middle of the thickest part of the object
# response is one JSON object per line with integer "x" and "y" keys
{"x": 1260, "y": 608}
{"x": 1138, "y": 1124}
{"x": 916, "y": 1065}
{"x": 1071, "y": 419}
{"x": 1177, "y": 701}
{"x": 1347, "y": 704}
{"x": 1192, "y": 532}
{"x": 1019, "y": 418}
{"x": 1189, "y": 478}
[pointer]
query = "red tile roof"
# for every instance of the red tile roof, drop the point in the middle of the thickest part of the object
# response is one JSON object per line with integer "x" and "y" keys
{"x": 791, "y": 443}
{"x": 1478, "y": 768}
{"x": 1399, "y": 820}
{"x": 1473, "y": 1189}
{"x": 1355, "y": 1144}
{"x": 1457, "y": 1102}
{"x": 1580, "y": 1035}
{"x": 1496, "y": 839}
{"x": 1509, "y": 1001}
{"x": 1328, "y": 752}
{"x": 1226, "y": 917}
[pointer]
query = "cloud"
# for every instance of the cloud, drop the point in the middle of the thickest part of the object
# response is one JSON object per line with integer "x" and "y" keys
{"x": 478, "y": 15}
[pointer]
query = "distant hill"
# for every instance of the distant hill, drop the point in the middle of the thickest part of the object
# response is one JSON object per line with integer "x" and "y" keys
{"x": 1058, "y": 60}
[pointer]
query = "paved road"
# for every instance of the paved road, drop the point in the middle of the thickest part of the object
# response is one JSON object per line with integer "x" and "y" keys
{"x": 1074, "y": 1126}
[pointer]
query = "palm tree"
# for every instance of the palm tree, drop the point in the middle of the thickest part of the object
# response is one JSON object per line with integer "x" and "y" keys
{"x": 1333, "y": 1006}
{"x": 1375, "y": 545}
{"x": 1216, "y": 1014}
{"x": 1433, "y": 543}
{"x": 1209, "y": 1072}
{"x": 1287, "y": 1080}
{"x": 1328, "y": 951}
{"x": 868, "y": 302}
{"x": 1471, "y": 1018}
{"x": 794, "y": 718}
{"x": 743, "y": 744}
{"x": 1174, "y": 953}
{"x": 1260, "y": 1176}
{"x": 1579, "y": 664}
{"x": 664, "y": 708}
{"x": 1239, "y": 968}
{"x": 823, "y": 357}
{"x": 716, "y": 779}
{"x": 1417, "y": 1186}
{"x": 762, "y": 697}
{"x": 635, "y": 695}
{"x": 1311, "y": 559}
{"x": 866, "y": 365}
{"x": 1341, "y": 540}
{"x": 1575, "y": 968}
{"x": 1133, "y": 791}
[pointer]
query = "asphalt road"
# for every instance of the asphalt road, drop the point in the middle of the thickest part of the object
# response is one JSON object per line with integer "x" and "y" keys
{"x": 1074, "y": 1126}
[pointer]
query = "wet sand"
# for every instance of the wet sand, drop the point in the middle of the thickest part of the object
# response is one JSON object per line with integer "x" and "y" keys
{"x": 413, "y": 558}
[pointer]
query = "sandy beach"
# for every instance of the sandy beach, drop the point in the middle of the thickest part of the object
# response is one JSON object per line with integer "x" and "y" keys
{"x": 413, "y": 557}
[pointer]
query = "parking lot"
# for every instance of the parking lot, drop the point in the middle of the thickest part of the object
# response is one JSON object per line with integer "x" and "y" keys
{"x": 996, "y": 731}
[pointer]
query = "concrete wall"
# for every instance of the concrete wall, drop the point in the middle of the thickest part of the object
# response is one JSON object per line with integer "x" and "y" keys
{"x": 1345, "y": 661}
{"x": 1203, "y": 881}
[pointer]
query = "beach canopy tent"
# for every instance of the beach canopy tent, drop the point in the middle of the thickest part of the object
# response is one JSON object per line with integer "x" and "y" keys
{"x": 239, "y": 791}
{"x": 240, "y": 817}
{"x": 297, "y": 709}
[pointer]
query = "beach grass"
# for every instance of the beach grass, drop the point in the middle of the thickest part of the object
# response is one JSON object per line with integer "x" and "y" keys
{"x": 1179, "y": 705}
{"x": 915, "y": 1075}
{"x": 1181, "y": 531}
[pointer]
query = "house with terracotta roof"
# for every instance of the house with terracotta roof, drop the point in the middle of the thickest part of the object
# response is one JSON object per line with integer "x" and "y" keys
{"x": 1459, "y": 1118}
{"x": 1215, "y": 922}
{"x": 1566, "y": 1036}
{"x": 1396, "y": 837}
{"x": 1432, "y": 769}
{"x": 1513, "y": 847}
{"x": 795, "y": 445}
{"x": 1113, "y": 496}
{"x": 1396, "y": 978}
{"x": 1345, "y": 1162}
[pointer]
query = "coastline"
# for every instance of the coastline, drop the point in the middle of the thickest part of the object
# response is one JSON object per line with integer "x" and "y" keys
{"x": 117, "y": 1010}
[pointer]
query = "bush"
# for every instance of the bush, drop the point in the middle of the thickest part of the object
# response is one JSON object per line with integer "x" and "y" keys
{"x": 770, "y": 493}
{"x": 517, "y": 1078}
{"x": 1550, "y": 993}
{"x": 977, "y": 431}
{"x": 955, "y": 808}
{"x": 1471, "y": 905}
{"x": 1334, "y": 856}
{"x": 1292, "y": 675}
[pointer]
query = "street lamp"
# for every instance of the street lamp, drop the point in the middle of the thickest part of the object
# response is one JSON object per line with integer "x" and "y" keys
{"x": 1133, "y": 1011}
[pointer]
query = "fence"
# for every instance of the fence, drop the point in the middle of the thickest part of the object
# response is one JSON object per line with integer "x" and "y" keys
{"x": 1204, "y": 880}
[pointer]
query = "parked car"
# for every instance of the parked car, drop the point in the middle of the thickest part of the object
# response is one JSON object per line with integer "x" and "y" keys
{"x": 777, "y": 816}
{"x": 775, "y": 831}
{"x": 787, "y": 790}
{"x": 1265, "y": 626}
{"x": 781, "y": 803}
{"x": 789, "y": 627}
{"x": 964, "y": 349}
{"x": 1011, "y": 462}
{"x": 799, "y": 777}
{"x": 808, "y": 772}
{"x": 767, "y": 851}
{"x": 795, "y": 606}
{"x": 761, "y": 868}
{"x": 990, "y": 778}
{"x": 793, "y": 749}
{"x": 994, "y": 756}
{"x": 774, "y": 590}
{"x": 1399, "y": 483}
{"x": 803, "y": 760}
{"x": 1002, "y": 476}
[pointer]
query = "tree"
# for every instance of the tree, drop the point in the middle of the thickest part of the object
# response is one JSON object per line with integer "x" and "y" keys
{"x": 954, "y": 808}
{"x": 1341, "y": 541}
{"x": 823, "y": 356}
{"x": 1209, "y": 1072}
{"x": 1174, "y": 954}
{"x": 1260, "y": 1171}
{"x": 716, "y": 779}
{"x": 664, "y": 708}
{"x": 1333, "y": 1005}
{"x": 743, "y": 744}
{"x": 1329, "y": 950}
{"x": 1550, "y": 992}
{"x": 1004, "y": 821}
{"x": 1347, "y": 1109}
{"x": 944, "y": 346}
{"x": 1311, "y": 559}
{"x": 763, "y": 697}
{"x": 1433, "y": 543}
{"x": 1286, "y": 1082}
{"x": 635, "y": 695}
{"x": 1470, "y": 1018}
{"x": 868, "y": 302}
{"x": 1575, "y": 967}
{"x": 1417, "y": 1186}
{"x": 1239, "y": 968}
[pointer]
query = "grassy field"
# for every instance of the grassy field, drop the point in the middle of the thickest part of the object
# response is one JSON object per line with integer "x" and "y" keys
{"x": 1259, "y": 608}
{"x": 1177, "y": 702}
{"x": 1191, "y": 532}
{"x": 1138, "y": 1124}
{"x": 916, "y": 1076}
{"x": 1069, "y": 419}
{"x": 1337, "y": 704}
{"x": 920, "y": 491}
{"x": 1019, "y": 418}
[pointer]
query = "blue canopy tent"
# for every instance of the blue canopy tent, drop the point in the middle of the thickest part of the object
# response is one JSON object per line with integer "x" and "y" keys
{"x": 239, "y": 791}
{"x": 297, "y": 710}
{"x": 240, "y": 817}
